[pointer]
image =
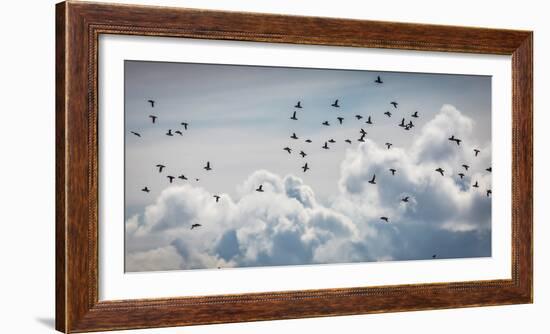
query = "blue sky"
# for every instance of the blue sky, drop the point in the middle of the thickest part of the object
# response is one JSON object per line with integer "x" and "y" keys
{"x": 239, "y": 121}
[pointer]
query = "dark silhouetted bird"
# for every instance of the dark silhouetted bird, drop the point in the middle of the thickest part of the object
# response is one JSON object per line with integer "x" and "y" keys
{"x": 441, "y": 171}
{"x": 160, "y": 167}
{"x": 369, "y": 120}
{"x": 185, "y": 124}
{"x": 145, "y": 189}
{"x": 402, "y": 124}
{"x": 288, "y": 149}
{"x": 405, "y": 199}
{"x": 489, "y": 169}
{"x": 178, "y": 132}
{"x": 153, "y": 118}
{"x": 332, "y": 141}
{"x": 489, "y": 192}
{"x": 476, "y": 151}
{"x": 326, "y": 123}
{"x": 207, "y": 167}
{"x": 461, "y": 175}
{"x": 348, "y": 141}
{"x": 294, "y": 136}
{"x": 476, "y": 185}
{"x": 294, "y": 116}
{"x": 410, "y": 125}
{"x": 415, "y": 114}
{"x": 388, "y": 145}
{"x": 394, "y": 104}
{"x": 197, "y": 180}
{"x": 386, "y": 219}
{"x": 305, "y": 167}
{"x": 335, "y": 104}
{"x": 392, "y": 171}
{"x": 298, "y": 105}
{"x": 373, "y": 180}
{"x": 378, "y": 80}
{"x": 217, "y": 197}
{"x": 407, "y": 127}
{"x": 434, "y": 256}
{"x": 170, "y": 178}
{"x": 362, "y": 139}
{"x": 325, "y": 146}
{"x": 260, "y": 188}
{"x": 308, "y": 140}
{"x": 194, "y": 226}
{"x": 303, "y": 154}
{"x": 358, "y": 117}
{"x": 340, "y": 119}
{"x": 466, "y": 167}
{"x": 169, "y": 133}
{"x": 135, "y": 133}
{"x": 387, "y": 113}
{"x": 363, "y": 132}
{"x": 182, "y": 177}
{"x": 456, "y": 140}
{"x": 152, "y": 103}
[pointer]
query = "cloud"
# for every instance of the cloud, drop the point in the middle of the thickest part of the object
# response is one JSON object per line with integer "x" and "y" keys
{"x": 287, "y": 225}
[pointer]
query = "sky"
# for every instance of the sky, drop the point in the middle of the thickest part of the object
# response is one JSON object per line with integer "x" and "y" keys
{"x": 239, "y": 121}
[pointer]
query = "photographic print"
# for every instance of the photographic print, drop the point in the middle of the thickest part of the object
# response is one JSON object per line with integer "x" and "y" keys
{"x": 231, "y": 166}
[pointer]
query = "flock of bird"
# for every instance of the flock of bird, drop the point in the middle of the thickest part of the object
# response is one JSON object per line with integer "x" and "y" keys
{"x": 404, "y": 124}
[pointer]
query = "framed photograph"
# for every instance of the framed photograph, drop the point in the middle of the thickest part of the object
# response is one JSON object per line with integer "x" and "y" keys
{"x": 222, "y": 167}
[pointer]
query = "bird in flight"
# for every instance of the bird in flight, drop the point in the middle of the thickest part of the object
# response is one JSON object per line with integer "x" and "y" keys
{"x": 194, "y": 226}
{"x": 326, "y": 123}
{"x": 434, "y": 256}
{"x": 407, "y": 127}
{"x": 217, "y": 197}
{"x": 260, "y": 188}
{"x": 363, "y": 132}
{"x": 387, "y": 113}
{"x": 466, "y": 167}
{"x": 358, "y": 117}
{"x": 415, "y": 115}
{"x": 389, "y": 145}
{"x": 332, "y": 141}
{"x": 298, "y": 105}
{"x": 170, "y": 178}
{"x": 402, "y": 124}
{"x": 153, "y": 118}
{"x": 461, "y": 175}
{"x": 335, "y": 104}
{"x": 197, "y": 180}
{"x": 340, "y": 119}
{"x": 394, "y": 104}
{"x": 373, "y": 180}
{"x": 145, "y": 189}
{"x": 369, "y": 120}
{"x": 178, "y": 132}
{"x": 325, "y": 146}
{"x": 405, "y": 199}
{"x": 135, "y": 133}
{"x": 160, "y": 167}
{"x": 378, "y": 80}
{"x": 182, "y": 177}
{"x": 440, "y": 170}
{"x": 288, "y": 149}
{"x": 294, "y": 116}
{"x": 362, "y": 139}
{"x": 475, "y": 185}
{"x": 386, "y": 219}
{"x": 348, "y": 141}
{"x": 207, "y": 167}
{"x": 489, "y": 192}
{"x": 476, "y": 151}
{"x": 489, "y": 169}
{"x": 185, "y": 124}
{"x": 169, "y": 133}
{"x": 294, "y": 136}
{"x": 308, "y": 140}
{"x": 410, "y": 125}
{"x": 303, "y": 154}
{"x": 152, "y": 103}
{"x": 392, "y": 170}
{"x": 305, "y": 167}
{"x": 456, "y": 140}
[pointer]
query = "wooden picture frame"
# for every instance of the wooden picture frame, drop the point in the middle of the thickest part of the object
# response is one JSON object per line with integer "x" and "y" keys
{"x": 78, "y": 26}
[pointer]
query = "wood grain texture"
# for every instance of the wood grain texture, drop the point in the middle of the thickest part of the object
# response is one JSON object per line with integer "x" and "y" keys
{"x": 78, "y": 28}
